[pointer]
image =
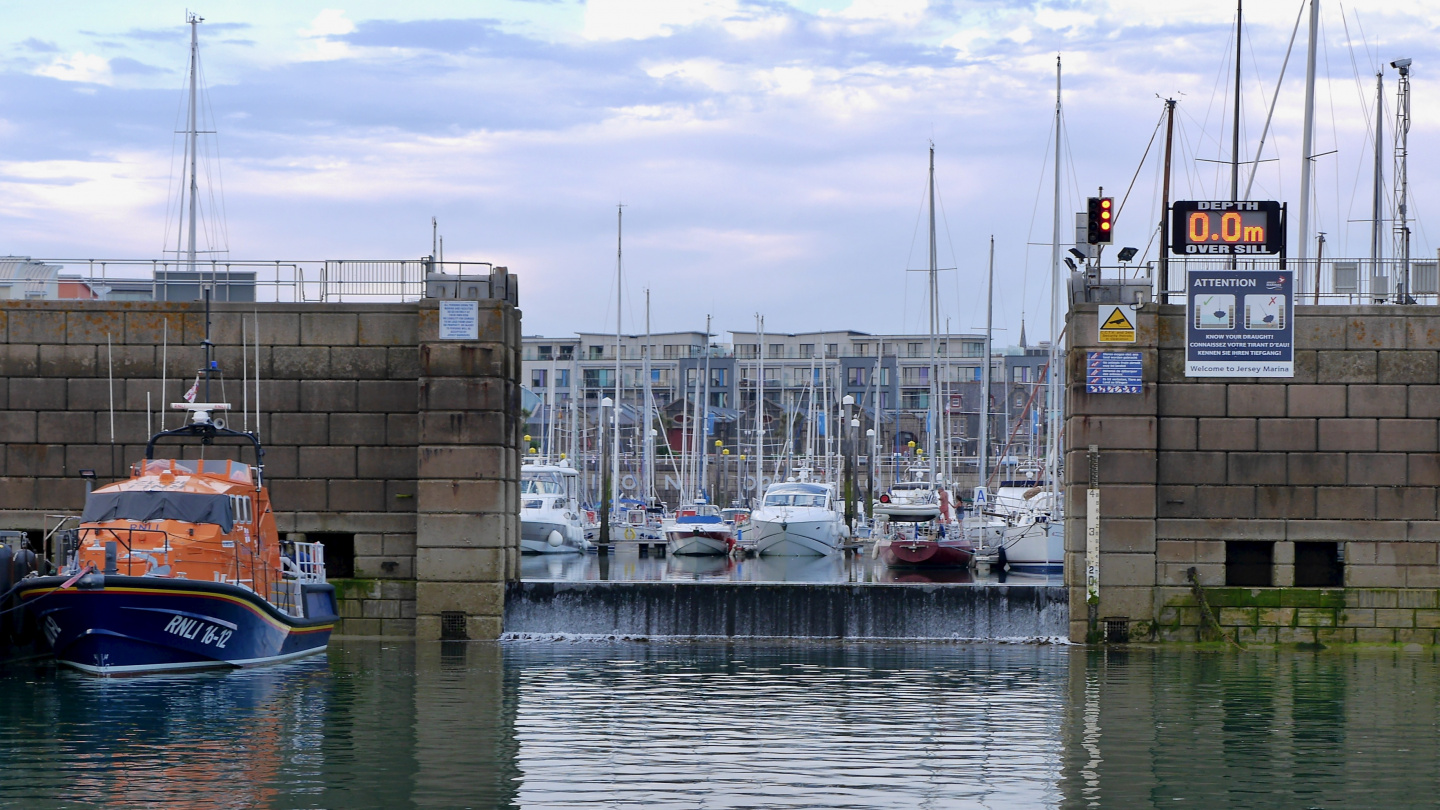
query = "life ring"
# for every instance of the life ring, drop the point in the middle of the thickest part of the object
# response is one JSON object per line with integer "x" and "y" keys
{"x": 629, "y": 533}
{"x": 627, "y": 481}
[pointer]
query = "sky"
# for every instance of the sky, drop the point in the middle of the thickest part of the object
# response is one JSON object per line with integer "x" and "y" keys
{"x": 771, "y": 157}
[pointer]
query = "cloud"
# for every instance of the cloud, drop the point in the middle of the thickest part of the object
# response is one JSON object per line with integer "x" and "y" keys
{"x": 39, "y": 46}
{"x": 78, "y": 67}
{"x": 124, "y": 65}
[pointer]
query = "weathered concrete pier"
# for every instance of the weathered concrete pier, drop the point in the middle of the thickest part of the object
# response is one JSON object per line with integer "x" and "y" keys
{"x": 1306, "y": 506}
{"x": 397, "y": 449}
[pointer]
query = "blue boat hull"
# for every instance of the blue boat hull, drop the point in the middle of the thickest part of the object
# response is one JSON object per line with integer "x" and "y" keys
{"x": 118, "y": 625}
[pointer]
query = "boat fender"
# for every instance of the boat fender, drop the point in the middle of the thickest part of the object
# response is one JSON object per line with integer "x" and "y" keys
{"x": 1001, "y": 559}
{"x": 555, "y": 538}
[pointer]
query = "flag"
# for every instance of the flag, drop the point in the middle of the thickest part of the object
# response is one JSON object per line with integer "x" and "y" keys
{"x": 194, "y": 389}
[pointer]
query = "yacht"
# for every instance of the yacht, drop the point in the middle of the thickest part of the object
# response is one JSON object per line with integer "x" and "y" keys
{"x": 798, "y": 519}
{"x": 1018, "y": 528}
{"x": 698, "y": 528}
{"x": 550, "y": 518}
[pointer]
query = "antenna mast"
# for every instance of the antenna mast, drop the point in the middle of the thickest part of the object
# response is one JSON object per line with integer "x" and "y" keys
{"x": 194, "y": 21}
{"x": 1402, "y": 182}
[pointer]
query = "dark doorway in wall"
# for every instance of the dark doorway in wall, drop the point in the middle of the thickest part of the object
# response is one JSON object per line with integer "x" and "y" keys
{"x": 1318, "y": 565}
{"x": 1248, "y": 563}
{"x": 339, "y": 552}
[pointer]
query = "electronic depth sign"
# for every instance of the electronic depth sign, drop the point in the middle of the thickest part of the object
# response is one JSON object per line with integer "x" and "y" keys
{"x": 1227, "y": 228}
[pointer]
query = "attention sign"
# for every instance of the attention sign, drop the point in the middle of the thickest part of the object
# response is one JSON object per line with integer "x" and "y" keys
{"x": 1238, "y": 323}
{"x": 1117, "y": 323}
{"x": 1227, "y": 228}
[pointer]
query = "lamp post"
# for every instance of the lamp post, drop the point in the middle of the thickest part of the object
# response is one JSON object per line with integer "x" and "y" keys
{"x": 870, "y": 477}
{"x": 715, "y": 490}
{"x": 605, "y": 405}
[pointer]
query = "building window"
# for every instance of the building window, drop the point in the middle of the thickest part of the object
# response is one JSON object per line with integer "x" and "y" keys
{"x": 719, "y": 377}
{"x": 972, "y": 349}
{"x": 832, "y": 349}
{"x": 746, "y": 351}
{"x": 772, "y": 375}
{"x": 916, "y": 400}
{"x": 597, "y": 352}
{"x": 567, "y": 352}
{"x": 537, "y": 378}
{"x": 672, "y": 351}
{"x": 544, "y": 352}
{"x": 777, "y": 350}
{"x": 855, "y": 376}
{"x": 1020, "y": 374}
{"x": 916, "y": 350}
{"x": 718, "y": 399}
{"x": 859, "y": 349}
{"x": 807, "y": 351}
{"x": 915, "y": 375}
{"x": 599, "y": 377}
{"x": 562, "y": 378}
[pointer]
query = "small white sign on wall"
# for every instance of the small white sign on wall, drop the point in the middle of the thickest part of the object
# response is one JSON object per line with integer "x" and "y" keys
{"x": 459, "y": 320}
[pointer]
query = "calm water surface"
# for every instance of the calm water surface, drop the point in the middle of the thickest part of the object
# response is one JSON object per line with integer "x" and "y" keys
{"x": 660, "y": 725}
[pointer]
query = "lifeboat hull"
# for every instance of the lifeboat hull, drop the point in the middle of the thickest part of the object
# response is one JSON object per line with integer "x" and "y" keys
{"x": 121, "y": 625}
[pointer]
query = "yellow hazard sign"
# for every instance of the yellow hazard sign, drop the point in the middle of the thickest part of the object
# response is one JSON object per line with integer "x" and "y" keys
{"x": 1117, "y": 323}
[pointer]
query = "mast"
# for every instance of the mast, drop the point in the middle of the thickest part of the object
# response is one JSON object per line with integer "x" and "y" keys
{"x": 934, "y": 326}
{"x": 1402, "y": 180}
{"x": 1378, "y": 192}
{"x": 759, "y": 407}
{"x": 1164, "y": 209}
{"x": 646, "y": 442}
{"x": 194, "y": 20}
{"x": 703, "y": 429}
{"x": 985, "y": 369}
{"x": 1303, "y": 248}
{"x": 1235, "y": 136}
{"x": 615, "y": 412}
{"x": 1057, "y": 289}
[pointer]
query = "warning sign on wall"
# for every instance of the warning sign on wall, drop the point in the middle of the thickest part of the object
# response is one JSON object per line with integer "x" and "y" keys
{"x": 1117, "y": 323}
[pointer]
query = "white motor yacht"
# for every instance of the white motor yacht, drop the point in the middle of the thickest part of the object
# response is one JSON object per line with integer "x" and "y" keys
{"x": 798, "y": 519}
{"x": 550, "y": 518}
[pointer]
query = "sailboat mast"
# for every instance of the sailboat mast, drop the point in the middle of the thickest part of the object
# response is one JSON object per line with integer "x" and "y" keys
{"x": 646, "y": 442}
{"x": 1377, "y": 198}
{"x": 984, "y": 449}
{"x": 1235, "y": 128}
{"x": 1307, "y": 135}
{"x": 192, "y": 134}
{"x": 615, "y": 412}
{"x": 759, "y": 407}
{"x": 934, "y": 274}
{"x": 703, "y": 429}
{"x": 1057, "y": 289}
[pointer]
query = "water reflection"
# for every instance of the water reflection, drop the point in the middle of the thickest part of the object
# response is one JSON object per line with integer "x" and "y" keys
{"x": 814, "y": 725}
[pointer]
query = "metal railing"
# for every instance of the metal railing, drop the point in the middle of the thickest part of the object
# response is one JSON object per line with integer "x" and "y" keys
{"x": 284, "y": 281}
{"x": 1333, "y": 281}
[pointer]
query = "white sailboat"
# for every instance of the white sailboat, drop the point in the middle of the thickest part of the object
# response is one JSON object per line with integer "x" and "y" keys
{"x": 1024, "y": 528}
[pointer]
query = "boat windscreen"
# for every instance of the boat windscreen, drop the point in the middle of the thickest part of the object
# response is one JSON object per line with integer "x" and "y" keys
{"x": 541, "y": 484}
{"x": 793, "y": 499}
{"x": 190, "y": 507}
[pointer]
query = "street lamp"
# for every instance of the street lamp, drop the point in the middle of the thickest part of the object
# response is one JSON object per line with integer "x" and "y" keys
{"x": 870, "y": 475}
{"x": 848, "y": 449}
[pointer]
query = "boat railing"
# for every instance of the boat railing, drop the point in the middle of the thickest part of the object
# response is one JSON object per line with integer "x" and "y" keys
{"x": 304, "y": 563}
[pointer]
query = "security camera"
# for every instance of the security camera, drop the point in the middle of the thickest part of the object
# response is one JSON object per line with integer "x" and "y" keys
{"x": 1403, "y": 65}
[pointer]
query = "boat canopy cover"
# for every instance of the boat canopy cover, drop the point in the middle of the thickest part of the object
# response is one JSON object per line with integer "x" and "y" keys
{"x": 189, "y": 507}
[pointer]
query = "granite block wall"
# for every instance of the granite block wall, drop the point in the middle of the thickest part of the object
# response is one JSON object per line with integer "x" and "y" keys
{"x": 1344, "y": 452}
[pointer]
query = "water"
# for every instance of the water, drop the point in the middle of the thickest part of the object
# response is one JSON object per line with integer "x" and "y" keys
{"x": 816, "y": 725}
{"x": 626, "y": 565}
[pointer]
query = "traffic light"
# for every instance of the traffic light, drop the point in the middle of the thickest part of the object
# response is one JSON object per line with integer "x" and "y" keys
{"x": 1101, "y": 221}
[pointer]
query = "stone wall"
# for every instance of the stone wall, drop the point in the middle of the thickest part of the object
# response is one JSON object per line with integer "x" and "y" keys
{"x": 1345, "y": 452}
{"x": 343, "y": 390}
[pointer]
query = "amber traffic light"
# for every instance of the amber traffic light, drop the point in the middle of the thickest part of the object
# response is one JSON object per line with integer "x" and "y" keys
{"x": 1101, "y": 221}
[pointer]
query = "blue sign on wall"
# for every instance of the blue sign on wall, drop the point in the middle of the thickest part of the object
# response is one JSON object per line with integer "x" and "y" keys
{"x": 1238, "y": 323}
{"x": 1113, "y": 372}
